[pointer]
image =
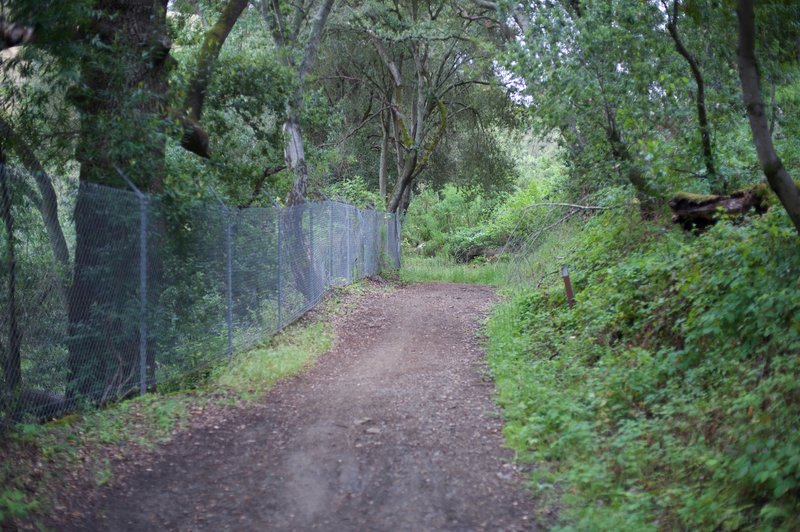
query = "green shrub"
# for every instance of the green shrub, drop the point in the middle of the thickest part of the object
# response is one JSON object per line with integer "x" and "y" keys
{"x": 435, "y": 216}
{"x": 356, "y": 192}
{"x": 463, "y": 244}
{"x": 669, "y": 397}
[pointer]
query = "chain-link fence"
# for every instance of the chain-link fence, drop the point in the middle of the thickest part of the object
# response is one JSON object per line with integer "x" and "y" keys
{"x": 121, "y": 292}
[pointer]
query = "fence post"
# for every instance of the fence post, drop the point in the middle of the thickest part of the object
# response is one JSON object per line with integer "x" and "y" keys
{"x": 143, "y": 202}
{"x": 361, "y": 244}
{"x": 311, "y": 246}
{"x": 567, "y": 285}
{"x": 349, "y": 247}
{"x": 387, "y": 253}
{"x": 330, "y": 243}
{"x": 229, "y": 269}
{"x": 280, "y": 268}
{"x": 229, "y": 253}
{"x": 397, "y": 240}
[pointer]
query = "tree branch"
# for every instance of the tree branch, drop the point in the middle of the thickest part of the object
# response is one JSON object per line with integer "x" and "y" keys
{"x": 259, "y": 186}
{"x": 570, "y": 205}
{"x": 12, "y": 34}
{"x": 356, "y": 129}
{"x": 208, "y": 54}
{"x": 194, "y": 138}
{"x": 48, "y": 203}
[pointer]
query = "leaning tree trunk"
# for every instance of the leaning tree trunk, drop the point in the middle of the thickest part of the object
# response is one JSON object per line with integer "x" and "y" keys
{"x": 47, "y": 203}
{"x": 384, "y": 161}
{"x": 208, "y": 55}
{"x": 12, "y": 358}
{"x": 777, "y": 176}
{"x": 195, "y": 138}
{"x": 700, "y": 99}
{"x": 121, "y": 103}
{"x": 644, "y": 190}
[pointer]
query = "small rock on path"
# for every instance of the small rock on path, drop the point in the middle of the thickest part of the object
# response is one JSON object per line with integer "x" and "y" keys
{"x": 394, "y": 429}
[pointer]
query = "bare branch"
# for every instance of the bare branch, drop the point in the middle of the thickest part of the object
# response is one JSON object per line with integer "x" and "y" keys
{"x": 571, "y": 206}
{"x": 355, "y": 129}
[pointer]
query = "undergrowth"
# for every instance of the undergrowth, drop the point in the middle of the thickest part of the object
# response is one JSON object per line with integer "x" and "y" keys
{"x": 253, "y": 373}
{"x": 669, "y": 396}
{"x": 421, "y": 269}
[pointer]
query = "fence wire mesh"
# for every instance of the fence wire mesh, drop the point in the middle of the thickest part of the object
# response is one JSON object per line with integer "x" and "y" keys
{"x": 148, "y": 292}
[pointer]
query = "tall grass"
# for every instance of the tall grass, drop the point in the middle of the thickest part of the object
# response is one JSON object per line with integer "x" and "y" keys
{"x": 422, "y": 269}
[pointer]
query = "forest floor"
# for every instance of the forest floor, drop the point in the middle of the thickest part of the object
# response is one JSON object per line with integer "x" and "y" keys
{"x": 393, "y": 429}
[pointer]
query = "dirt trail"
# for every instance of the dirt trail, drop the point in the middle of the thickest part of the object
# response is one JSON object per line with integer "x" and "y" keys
{"x": 394, "y": 429}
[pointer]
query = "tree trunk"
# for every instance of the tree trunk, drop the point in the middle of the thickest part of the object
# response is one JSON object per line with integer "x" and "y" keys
{"x": 48, "y": 203}
{"x": 405, "y": 199}
{"x": 294, "y": 153}
{"x": 645, "y": 193}
{"x": 306, "y": 275}
{"x": 777, "y": 176}
{"x": 382, "y": 185}
{"x": 403, "y": 182}
{"x": 295, "y": 157}
{"x": 14, "y": 34}
{"x": 12, "y": 361}
{"x": 700, "y": 100}
{"x": 121, "y": 104}
{"x": 195, "y": 138}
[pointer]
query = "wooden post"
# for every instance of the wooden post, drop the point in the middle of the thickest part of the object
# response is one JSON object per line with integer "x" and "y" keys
{"x": 567, "y": 285}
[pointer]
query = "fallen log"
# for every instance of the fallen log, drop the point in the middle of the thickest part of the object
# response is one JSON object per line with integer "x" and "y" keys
{"x": 465, "y": 256}
{"x": 698, "y": 212}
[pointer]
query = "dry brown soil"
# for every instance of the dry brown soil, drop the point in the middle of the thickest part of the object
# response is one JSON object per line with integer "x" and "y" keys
{"x": 393, "y": 429}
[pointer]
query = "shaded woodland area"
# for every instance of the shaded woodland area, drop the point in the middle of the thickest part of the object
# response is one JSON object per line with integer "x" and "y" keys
{"x": 653, "y": 146}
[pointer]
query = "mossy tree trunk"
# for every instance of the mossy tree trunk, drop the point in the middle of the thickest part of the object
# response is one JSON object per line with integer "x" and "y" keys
{"x": 207, "y": 57}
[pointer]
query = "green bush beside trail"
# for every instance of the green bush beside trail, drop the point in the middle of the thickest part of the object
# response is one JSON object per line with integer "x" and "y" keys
{"x": 669, "y": 396}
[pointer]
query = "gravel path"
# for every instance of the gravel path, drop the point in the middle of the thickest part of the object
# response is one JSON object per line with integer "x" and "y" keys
{"x": 393, "y": 429}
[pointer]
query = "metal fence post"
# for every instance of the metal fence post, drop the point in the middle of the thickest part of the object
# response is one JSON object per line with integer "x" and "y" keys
{"x": 143, "y": 203}
{"x": 330, "y": 243}
{"x": 229, "y": 253}
{"x": 311, "y": 247}
{"x": 229, "y": 270}
{"x": 280, "y": 268}
{"x": 362, "y": 245}
{"x": 349, "y": 248}
{"x": 397, "y": 240}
